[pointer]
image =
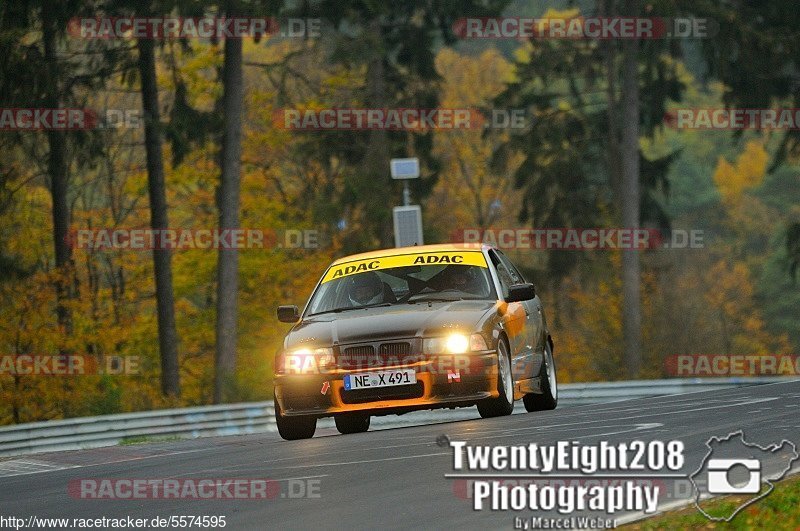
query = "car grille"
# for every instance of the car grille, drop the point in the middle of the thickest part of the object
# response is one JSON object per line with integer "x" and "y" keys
{"x": 375, "y": 355}
{"x": 361, "y": 350}
{"x": 395, "y": 349}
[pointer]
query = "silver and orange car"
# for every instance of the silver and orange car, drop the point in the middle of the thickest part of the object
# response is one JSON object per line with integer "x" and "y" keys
{"x": 404, "y": 329}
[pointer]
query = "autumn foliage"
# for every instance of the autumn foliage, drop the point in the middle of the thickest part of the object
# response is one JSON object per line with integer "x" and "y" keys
{"x": 733, "y": 295}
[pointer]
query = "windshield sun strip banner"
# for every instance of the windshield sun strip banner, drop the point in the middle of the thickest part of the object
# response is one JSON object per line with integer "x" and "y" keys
{"x": 473, "y": 258}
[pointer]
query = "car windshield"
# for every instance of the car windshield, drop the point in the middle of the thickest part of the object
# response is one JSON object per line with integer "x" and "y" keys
{"x": 403, "y": 285}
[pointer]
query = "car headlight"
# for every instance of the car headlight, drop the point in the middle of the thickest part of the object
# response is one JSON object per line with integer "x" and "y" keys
{"x": 305, "y": 361}
{"x": 453, "y": 344}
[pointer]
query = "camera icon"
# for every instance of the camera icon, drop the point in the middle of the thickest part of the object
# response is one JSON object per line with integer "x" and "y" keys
{"x": 719, "y": 481}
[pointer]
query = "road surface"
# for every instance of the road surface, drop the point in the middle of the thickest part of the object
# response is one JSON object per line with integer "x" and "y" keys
{"x": 386, "y": 479}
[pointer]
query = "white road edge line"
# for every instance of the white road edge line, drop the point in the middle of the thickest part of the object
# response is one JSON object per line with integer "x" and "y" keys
{"x": 137, "y": 458}
{"x": 364, "y": 461}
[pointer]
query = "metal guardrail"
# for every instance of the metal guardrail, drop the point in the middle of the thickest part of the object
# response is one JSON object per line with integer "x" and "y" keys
{"x": 259, "y": 417}
{"x": 109, "y": 430}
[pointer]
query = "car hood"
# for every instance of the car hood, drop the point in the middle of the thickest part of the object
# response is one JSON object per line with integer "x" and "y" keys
{"x": 398, "y": 321}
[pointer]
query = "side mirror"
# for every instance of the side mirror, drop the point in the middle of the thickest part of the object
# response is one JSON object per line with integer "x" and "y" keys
{"x": 520, "y": 292}
{"x": 288, "y": 314}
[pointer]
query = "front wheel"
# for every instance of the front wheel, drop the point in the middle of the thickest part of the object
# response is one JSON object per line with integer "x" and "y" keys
{"x": 294, "y": 428}
{"x": 351, "y": 423}
{"x": 548, "y": 399}
{"x": 503, "y": 404}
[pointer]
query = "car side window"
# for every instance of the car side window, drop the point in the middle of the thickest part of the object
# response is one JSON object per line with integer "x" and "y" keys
{"x": 515, "y": 274}
{"x": 506, "y": 279}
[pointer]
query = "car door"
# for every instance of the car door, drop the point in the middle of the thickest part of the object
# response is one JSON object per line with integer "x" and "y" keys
{"x": 534, "y": 347}
{"x": 514, "y": 320}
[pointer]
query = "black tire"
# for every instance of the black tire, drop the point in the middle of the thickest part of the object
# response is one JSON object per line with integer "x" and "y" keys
{"x": 548, "y": 399}
{"x": 294, "y": 428}
{"x": 503, "y": 404}
{"x": 351, "y": 423}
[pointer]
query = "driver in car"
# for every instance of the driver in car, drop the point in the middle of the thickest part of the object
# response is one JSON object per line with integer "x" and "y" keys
{"x": 461, "y": 278}
{"x": 365, "y": 289}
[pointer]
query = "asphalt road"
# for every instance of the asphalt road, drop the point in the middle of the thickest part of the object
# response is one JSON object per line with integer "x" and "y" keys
{"x": 387, "y": 479}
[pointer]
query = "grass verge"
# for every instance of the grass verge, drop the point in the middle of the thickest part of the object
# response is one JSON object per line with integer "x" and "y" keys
{"x": 779, "y": 510}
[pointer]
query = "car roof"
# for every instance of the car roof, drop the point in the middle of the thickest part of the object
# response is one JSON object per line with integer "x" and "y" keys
{"x": 394, "y": 251}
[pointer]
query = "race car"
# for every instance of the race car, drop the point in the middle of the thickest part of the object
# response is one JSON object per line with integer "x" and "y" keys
{"x": 405, "y": 329}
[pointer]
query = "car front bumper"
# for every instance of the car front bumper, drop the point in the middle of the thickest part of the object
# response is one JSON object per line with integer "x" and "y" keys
{"x": 442, "y": 381}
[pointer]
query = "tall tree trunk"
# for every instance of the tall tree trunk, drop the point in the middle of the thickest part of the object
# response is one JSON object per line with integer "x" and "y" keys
{"x": 162, "y": 258}
{"x": 57, "y": 171}
{"x": 607, "y": 8}
{"x": 631, "y": 309}
{"x": 228, "y": 204}
{"x": 375, "y": 164}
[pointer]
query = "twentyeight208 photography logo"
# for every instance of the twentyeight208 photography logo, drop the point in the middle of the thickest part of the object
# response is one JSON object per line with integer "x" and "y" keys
{"x": 734, "y": 466}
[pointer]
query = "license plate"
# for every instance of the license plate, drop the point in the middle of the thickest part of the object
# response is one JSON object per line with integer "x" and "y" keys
{"x": 369, "y": 380}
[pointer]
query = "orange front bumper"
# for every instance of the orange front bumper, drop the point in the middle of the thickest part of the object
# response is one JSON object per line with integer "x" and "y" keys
{"x": 457, "y": 382}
